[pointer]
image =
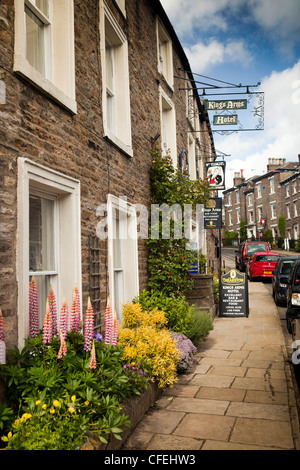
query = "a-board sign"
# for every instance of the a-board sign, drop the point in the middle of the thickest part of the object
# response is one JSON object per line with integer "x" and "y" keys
{"x": 234, "y": 299}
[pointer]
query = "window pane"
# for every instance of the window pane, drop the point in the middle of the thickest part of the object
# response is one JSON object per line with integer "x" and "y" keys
{"x": 43, "y": 5}
{"x": 34, "y": 41}
{"x": 43, "y": 288}
{"x": 41, "y": 234}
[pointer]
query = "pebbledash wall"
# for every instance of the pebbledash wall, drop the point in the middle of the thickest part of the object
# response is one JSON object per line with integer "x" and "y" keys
{"x": 79, "y": 114}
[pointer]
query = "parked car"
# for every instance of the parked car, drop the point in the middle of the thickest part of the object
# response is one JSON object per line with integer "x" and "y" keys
{"x": 293, "y": 297}
{"x": 261, "y": 265}
{"x": 280, "y": 277}
{"x": 246, "y": 250}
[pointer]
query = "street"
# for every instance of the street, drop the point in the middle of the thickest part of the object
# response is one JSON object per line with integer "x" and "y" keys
{"x": 228, "y": 256}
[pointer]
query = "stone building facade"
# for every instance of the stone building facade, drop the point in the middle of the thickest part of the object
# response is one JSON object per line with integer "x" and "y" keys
{"x": 261, "y": 200}
{"x": 86, "y": 90}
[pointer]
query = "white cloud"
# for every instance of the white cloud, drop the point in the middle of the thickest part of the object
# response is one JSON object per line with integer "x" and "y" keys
{"x": 203, "y": 56}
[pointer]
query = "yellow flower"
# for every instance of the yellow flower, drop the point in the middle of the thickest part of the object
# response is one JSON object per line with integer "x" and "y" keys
{"x": 44, "y": 406}
{"x": 6, "y": 439}
{"x": 52, "y": 411}
{"x": 38, "y": 402}
{"x": 26, "y": 416}
{"x": 71, "y": 409}
{"x": 87, "y": 403}
{"x": 73, "y": 398}
{"x": 56, "y": 403}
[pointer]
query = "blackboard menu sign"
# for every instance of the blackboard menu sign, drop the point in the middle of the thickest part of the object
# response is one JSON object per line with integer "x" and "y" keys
{"x": 234, "y": 300}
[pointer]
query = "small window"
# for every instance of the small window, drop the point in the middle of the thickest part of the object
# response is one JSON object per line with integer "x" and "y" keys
{"x": 48, "y": 238}
{"x": 165, "y": 54}
{"x": 272, "y": 185}
{"x": 44, "y": 48}
{"x": 123, "y": 253}
{"x": 168, "y": 127}
{"x": 115, "y": 75}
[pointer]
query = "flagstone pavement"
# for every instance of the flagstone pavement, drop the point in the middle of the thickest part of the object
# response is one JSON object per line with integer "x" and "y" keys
{"x": 239, "y": 395}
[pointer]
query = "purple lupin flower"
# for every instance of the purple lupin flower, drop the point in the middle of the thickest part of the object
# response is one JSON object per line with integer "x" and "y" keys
{"x": 64, "y": 318}
{"x": 1, "y": 326}
{"x": 33, "y": 310}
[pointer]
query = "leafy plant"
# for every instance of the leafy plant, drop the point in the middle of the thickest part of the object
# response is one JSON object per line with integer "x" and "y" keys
{"x": 169, "y": 259}
{"x": 187, "y": 352}
{"x": 144, "y": 337}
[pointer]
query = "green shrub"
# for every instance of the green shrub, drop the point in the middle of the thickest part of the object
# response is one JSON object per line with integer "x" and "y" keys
{"x": 200, "y": 326}
{"x": 177, "y": 309}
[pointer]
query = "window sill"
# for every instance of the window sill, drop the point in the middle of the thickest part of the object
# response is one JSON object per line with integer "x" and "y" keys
{"x": 26, "y": 71}
{"x": 126, "y": 149}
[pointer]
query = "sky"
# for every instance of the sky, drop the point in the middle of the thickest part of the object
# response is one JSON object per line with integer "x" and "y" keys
{"x": 247, "y": 42}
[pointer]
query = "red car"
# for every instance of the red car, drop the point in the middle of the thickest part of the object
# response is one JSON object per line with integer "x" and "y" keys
{"x": 262, "y": 265}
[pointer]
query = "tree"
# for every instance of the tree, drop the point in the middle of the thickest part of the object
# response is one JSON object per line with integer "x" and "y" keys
{"x": 243, "y": 230}
{"x": 281, "y": 226}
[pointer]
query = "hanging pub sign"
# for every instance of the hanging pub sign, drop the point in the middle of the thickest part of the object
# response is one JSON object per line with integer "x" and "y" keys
{"x": 225, "y": 104}
{"x": 213, "y": 213}
{"x": 225, "y": 120}
{"x": 234, "y": 299}
{"x": 216, "y": 174}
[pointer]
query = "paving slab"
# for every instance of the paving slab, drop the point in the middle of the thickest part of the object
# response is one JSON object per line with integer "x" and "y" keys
{"x": 263, "y": 432}
{"x": 205, "y": 426}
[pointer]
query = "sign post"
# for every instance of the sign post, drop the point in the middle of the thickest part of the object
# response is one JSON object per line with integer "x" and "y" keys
{"x": 234, "y": 298}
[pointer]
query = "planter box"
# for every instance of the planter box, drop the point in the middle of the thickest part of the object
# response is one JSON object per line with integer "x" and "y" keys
{"x": 134, "y": 408}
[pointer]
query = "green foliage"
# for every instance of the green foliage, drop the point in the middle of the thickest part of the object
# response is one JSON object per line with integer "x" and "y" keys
{"x": 169, "y": 259}
{"x": 177, "y": 309}
{"x": 200, "y": 326}
{"x": 35, "y": 374}
{"x": 243, "y": 230}
{"x": 281, "y": 225}
{"x": 267, "y": 236}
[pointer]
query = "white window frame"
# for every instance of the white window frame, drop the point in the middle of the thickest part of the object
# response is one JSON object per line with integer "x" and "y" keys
{"x": 34, "y": 177}
{"x": 273, "y": 210}
{"x": 272, "y": 185}
{"x": 110, "y": 32}
{"x": 122, "y": 6}
{"x": 129, "y": 251}
{"x": 58, "y": 82}
{"x": 295, "y": 209}
{"x": 258, "y": 190}
{"x": 250, "y": 199}
{"x": 164, "y": 54}
{"x": 288, "y": 211}
{"x": 259, "y": 213}
{"x": 168, "y": 126}
{"x": 237, "y": 194}
{"x": 192, "y": 157}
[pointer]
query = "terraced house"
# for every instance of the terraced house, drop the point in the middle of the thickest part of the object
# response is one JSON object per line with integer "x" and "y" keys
{"x": 262, "y": 199}
{"x": 86, "y": 88}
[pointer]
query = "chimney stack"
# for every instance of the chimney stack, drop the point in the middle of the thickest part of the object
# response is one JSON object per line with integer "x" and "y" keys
{"x": 238, "y": 178}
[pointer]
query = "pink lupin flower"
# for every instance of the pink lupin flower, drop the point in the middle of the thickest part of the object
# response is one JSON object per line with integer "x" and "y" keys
{"x": 47, "y": 328}
{"x": 33, "y": 310}
{"x": 73, "y": 316}
{"x": 78, "y": 307}
{"x": 53, "y": 310}
{"x": 64, "y": 318}
{"x": 1, "y": 326}
{"x": 89, "y": 327}
{"x": 108, "y": 323}
{"x": 63, "y": 346}
{"x": 115, "y": 331}
{"x": 93, "y": 362}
